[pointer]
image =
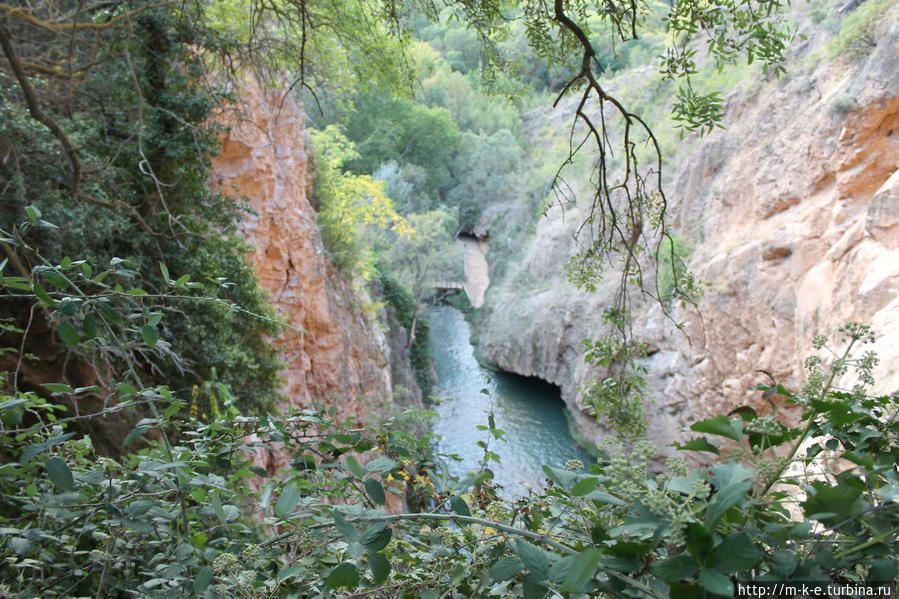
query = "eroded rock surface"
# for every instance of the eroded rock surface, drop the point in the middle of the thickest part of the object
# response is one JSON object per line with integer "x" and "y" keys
{"x": 337, "y": 354}
{"x": 792, "y": 212}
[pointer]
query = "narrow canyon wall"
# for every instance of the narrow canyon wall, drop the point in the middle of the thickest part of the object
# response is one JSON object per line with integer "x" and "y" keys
{"x": 336, "y": 353}
{"x": 792, "y": 212}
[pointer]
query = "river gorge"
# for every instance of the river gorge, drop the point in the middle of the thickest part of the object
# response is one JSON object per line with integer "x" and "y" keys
{"x": 530, "y": 412}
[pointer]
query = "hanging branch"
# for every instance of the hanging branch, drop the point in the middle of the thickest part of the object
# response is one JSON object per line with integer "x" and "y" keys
{"x": 614, "y": 228}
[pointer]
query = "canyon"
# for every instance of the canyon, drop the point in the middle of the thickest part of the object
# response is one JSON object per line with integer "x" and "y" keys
{"x": 791, "y": 212}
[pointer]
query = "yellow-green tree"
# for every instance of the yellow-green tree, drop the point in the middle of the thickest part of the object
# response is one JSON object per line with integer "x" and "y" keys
{"x": 348, "y": 204}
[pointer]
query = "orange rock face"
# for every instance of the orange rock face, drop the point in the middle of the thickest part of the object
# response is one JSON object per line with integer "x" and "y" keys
{"x": 336, "y": 355}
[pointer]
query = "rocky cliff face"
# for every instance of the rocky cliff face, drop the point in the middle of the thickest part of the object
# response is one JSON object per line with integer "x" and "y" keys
{"x": 793, "y": 215}
{"x": 336, "y": 352}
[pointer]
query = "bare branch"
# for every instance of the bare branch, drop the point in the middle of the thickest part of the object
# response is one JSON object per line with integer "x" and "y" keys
{"x": 34, "y": 108}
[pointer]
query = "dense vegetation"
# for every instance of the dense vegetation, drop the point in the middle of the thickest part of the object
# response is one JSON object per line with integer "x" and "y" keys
{"x": 174, "y": 519}
{"x": 129, "y": 312}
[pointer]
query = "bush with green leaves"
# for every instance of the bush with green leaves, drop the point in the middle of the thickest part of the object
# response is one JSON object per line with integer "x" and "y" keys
{"x": 142, "y": 130}
{"x": 859, "y": 31}
{"x": 186, "y": 511}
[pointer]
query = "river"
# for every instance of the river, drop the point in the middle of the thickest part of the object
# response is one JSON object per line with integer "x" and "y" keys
{"x": 529, "y": 411}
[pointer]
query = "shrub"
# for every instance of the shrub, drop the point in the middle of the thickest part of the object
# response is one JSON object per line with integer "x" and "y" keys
{"x": 858, "y": 32}
{"x": 180, "y": 516}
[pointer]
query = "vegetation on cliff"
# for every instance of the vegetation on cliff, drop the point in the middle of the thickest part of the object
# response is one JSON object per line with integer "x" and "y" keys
{"x": 127, "y": 302}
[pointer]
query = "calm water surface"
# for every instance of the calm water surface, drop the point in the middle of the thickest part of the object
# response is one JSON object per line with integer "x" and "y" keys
{"x": 528, "y": 410}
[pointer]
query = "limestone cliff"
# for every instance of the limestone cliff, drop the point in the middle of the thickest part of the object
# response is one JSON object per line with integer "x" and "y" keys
{"x": 337, "y": 352}
{"x": 792, "y": 212}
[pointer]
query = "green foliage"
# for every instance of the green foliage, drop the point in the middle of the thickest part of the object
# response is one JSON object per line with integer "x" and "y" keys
{"x": 403, "y": 304}
{"x": 617, "y": 395}
{"x": 348, "y": 203}
{"x": 672, "y": 273}
{"x": 486, "y": 168}
{"x": 857, "y": 36}
{"x": 385, "y": 128}
{"x": 140, "y": 127}
{"x": 195, "y": 517}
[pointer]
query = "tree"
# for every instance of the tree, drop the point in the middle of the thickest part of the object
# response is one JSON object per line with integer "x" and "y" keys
{"x": 485, "y": 169}
{"x": 425, "y": 256}
{"x": 107, "y": 117}
{"x": 349, "y": 203}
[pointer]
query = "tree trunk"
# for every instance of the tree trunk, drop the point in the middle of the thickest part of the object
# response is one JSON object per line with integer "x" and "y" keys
{"x": 414, "y": 322}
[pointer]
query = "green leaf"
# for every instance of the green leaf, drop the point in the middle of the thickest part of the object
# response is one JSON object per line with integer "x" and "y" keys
{"x": 375, "y": 491}
{"x": 139, "y": 507}
{"x": 584, "y": 486}
{"x": 69, "y": 307}
{"x": 19, "y": 545}
{"x": 203, "y": 580}
{"x": 89, "y": 326}
{"x": 289, "y": 572}
{"x": 599, "y": 498}
{"x": 182, "y": 280}
{"x": 785, "y": 563}
{"x": 380, "y": 464}
{"x": 685, "y": 591}
{"x": 676, "y": 568}
{"x": 747, "y": 413}
{"x": 533, "y": 588}
{"x": 559, "y": 570}
{"x": 151, "y": 337}
{"x": 459, "y": 506}
{"x": 217, "y": 507}
{"x": 287, "y": 501}
{"x": 699, "y": 540}
{"x": 55, "y": 279}
{"x": 698, "y": 444}
{"x": 354, "y": 466}
{"x": 57, "y": 388}
{"x": 720, "y": 425}
{"x": 725, "y": 475}
{"x": 380, "y": 567}
{"x": 59, "y": 473}
{"x": 165, "y": 272}
{"x": 68, "y": 334}
{"x": 533, "y": 558}
{"x": 581, "y": 570}
{"x": 110, "y": 314}
{"x": 344, "y": 575}
{"x": 832, "y": 504}
{"x": 716, "y": 583}
{"x": 344, "y": 527}
{"x": 505, "y": 568}
{"x": 735, "y": 554}
{"x": 42, "y": 295}
{"x": 376, "y": 536}
{"x": 134, "y": 435}
{"x": 723, "y": 500}
{"x": 882, "y": 569}
{"x": 563, "y": 478}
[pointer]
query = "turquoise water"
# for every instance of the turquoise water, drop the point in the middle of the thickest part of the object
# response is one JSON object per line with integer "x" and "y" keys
{"x": 529, "y": 411}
